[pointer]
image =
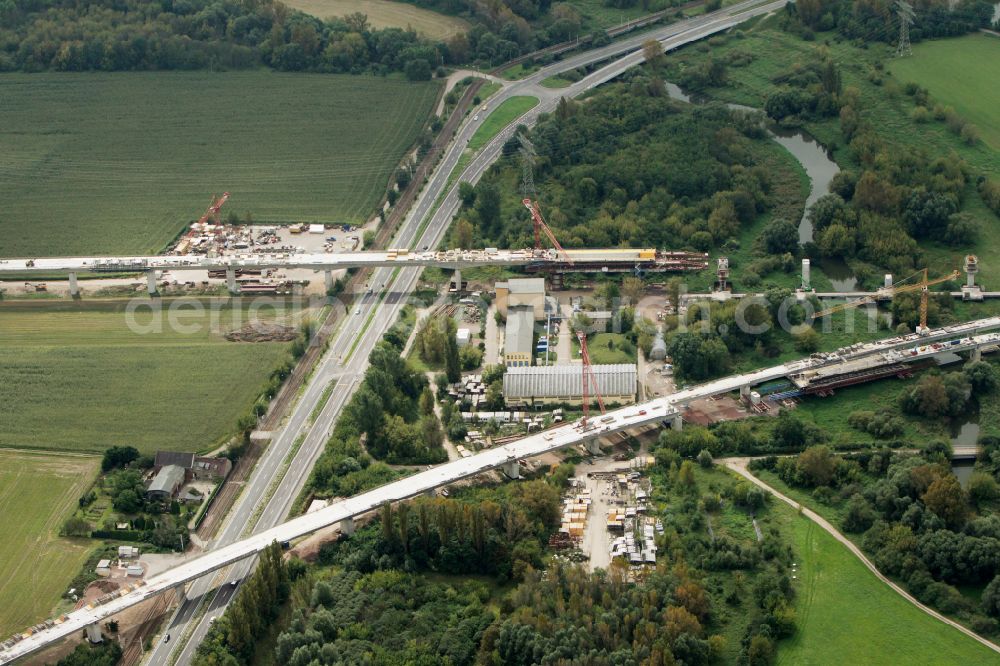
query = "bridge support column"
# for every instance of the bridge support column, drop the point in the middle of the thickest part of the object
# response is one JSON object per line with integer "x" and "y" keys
{"x": 151, "y": 282}
{"x": 977, "y": 355}
{"x": 593, "y": 447}
{"x": 328, "y": 280}
{"x": 456, "y": 280}
{"x": 231, "y": 281}
{"x": 745, "y": 392}
{"x": 347, "y": 526}
{"x": 74, "y": 288}
{"x": 94, "y": 633}
{"x": 512, "y": 469}
{"x": 677, "y": 423}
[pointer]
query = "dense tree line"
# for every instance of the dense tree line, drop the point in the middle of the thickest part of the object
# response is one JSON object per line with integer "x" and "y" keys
{"x": 630, "y": 168}
{"x": 233, "y": 638}
{"x": 876, "y": 20}
{"x": 499, "y": 532}
{"x": 386, "y": 617}
{"x": 387, "y": 410}
{"x": 118, "y": 35}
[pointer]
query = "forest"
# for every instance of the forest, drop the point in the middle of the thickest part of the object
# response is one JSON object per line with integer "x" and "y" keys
{"x": 107, "y": 35}
{"x": 113, "y": 35}
{"x": 471, "y": 579}
{"x": 629, "y": 168}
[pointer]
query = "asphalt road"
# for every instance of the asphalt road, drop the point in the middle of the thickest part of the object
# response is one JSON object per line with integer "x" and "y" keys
{"x": 348, "y": 367}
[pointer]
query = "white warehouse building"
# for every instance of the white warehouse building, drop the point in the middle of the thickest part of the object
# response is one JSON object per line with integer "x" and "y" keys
{"x": 564, "y": 384}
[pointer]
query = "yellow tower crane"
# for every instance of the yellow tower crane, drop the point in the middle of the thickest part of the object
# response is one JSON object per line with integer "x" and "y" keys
{"x": 898, "y": 288}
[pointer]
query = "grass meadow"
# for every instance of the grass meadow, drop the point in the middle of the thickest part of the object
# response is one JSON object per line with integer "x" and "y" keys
{"x": 845, "y": 615}
{"x": 121, "y": 162}
{"x": 387, "y": 14}
{"x": 499, "y": 118}
{"x": 37, "y": 492}
{"x": 962, "y": 73}
{"x": 81, "y": 380}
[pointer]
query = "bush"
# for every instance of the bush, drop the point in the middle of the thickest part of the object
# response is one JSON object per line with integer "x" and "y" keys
{"x": 118, "y": 456}
{"x": 970, "y": 134}
{"x": 705, "y": 459}
{"x": 920, "y": 114}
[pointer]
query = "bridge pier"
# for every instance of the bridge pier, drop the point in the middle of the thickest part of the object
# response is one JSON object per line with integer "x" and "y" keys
{"x": 593, "y": 447}
{"x": 347, "y": 526}
{"x": 512, "y": 469}
{"x": 976, "y": 355}
{"x": 74, "y": 288}
{"x": 745, "y": 392}
{"x": 231, "y": 281}
{"x": 151, "y": 282}
{"x": 456, "y": 280}
{"x": 328, "y": 280}
{"x": 677, "y": 423}
{"x": 94, "y": 633}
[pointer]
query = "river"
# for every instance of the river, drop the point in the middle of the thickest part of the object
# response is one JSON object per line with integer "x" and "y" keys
{"x": 964, "y": 433}
{"x": 818, "y": 165}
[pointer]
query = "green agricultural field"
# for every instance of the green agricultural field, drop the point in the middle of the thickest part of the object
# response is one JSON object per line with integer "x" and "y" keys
{"x": 847, "y": 616}
{"x": 386, "y": 14}
{"x": 83, "y": 380}
{"x": 120, "y": 162}
{"x": 37, "y": 492}
{"x": 962, "y": 73}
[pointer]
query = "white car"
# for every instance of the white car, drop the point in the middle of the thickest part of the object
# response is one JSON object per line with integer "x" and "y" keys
{"x": 358, "y": 311}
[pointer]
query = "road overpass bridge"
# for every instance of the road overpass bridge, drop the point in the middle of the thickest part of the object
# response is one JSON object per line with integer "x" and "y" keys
{"x": 969, "y": 337}
{"x": 536, "y": 260}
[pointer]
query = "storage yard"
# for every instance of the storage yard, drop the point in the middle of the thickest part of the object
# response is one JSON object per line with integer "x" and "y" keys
{"x": 607, "y": 515}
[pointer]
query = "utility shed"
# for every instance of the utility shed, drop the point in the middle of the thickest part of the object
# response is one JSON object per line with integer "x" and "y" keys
{"x": 564, "y": 384}
{"x": 166, "y": 482}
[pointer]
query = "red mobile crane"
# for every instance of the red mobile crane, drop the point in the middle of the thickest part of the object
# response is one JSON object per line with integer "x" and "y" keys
{"x": 213, "y": 209}
{"x": 539, "y": 223}
{"x": 588, "y": 376}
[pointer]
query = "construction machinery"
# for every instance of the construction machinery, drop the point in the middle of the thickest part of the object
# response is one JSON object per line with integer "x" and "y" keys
{"x": 536, "y": 217}
{"x": 893, "y": 290}
{"x": 588, "y": 377}
{"x": 212, "y": 212}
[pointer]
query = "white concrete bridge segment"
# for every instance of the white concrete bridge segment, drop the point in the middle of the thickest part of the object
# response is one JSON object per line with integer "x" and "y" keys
{"x": 453, "y": 259}
{"x": 970, "y": 336}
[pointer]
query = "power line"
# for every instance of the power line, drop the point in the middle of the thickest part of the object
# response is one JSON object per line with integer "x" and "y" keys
{"x": 904, "y": 10}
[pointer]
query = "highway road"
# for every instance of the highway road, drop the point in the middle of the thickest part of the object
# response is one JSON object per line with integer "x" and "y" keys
{"x": 349, "y": 349}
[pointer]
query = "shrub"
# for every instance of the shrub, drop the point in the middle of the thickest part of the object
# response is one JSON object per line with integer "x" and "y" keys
{"x": 920, "y": 114}
{"x": 970, "y": 134}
